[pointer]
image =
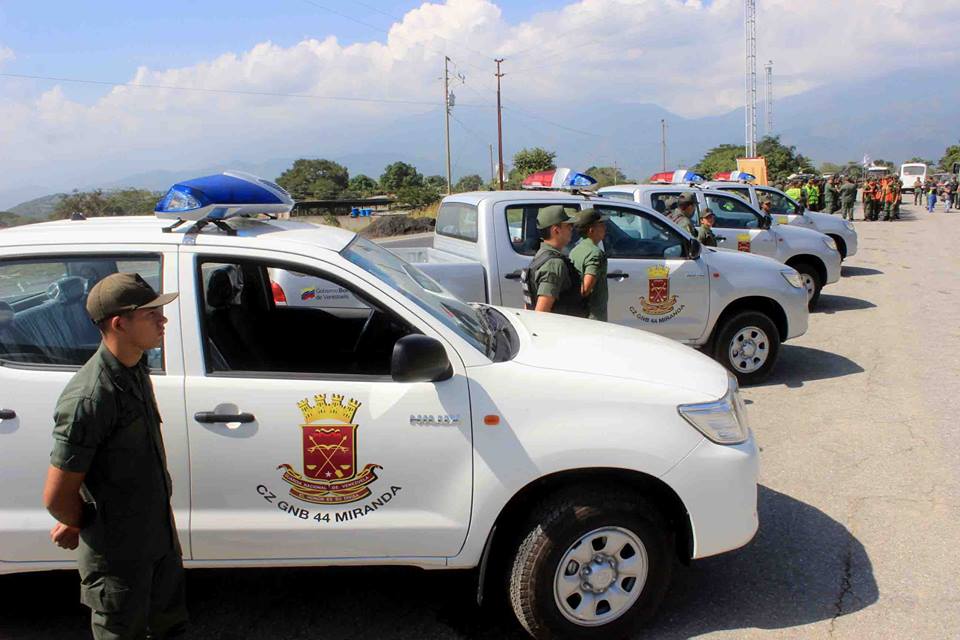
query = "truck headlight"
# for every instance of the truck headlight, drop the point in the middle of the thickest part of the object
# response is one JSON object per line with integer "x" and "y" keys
{"x": 848, "y": 225}
{"x": 723, "y": 421}
{"x": 793, "y": 278}
{"x": 831, "y": 244}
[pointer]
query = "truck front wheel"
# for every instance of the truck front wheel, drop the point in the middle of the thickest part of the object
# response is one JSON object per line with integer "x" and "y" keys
{"x": 747, "y": 345}
{"x": 593, "y": 563}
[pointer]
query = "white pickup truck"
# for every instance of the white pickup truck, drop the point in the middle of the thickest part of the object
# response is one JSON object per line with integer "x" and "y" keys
{"x": 737, "y": 307}
{"x": 739, "y": 225}
{"x": 411, "y": 429}
{"x": 786, "y": 210}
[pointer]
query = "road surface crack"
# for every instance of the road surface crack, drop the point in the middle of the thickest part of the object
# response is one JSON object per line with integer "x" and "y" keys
{"x": 845, "y": 587}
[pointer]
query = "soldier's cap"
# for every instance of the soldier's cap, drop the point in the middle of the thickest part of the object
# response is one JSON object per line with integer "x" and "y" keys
{"x": 122, "y": 292}
{"x": 554, "y": 214}
{"x": 589, "y": 216}
{"x": 709, "y": 214}
{"x": 685, "y": 199}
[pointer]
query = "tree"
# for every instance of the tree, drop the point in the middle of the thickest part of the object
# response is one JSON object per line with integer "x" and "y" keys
{"x": 527, "y": 161}
{"x": 10, "y": 219}
{"x": 468, "y": 183}
{"x": 437, "y": 182}
{"x": 829, "y": 167}
{"x": 89, "y": 203}
{"x": 950, "y": 156}
{"x": 400, "y": 174}
{"x": 883, "y": 163}
{"x": 607, "y": 176}
{"x": 362, "y": 186}
{"x": 125, "y": 202}
{"x": 417, "y": 197}
{"x": 722, "y": 158}
{"x": 854, "y": 169}
{"x": 321, "y": 179}
{"x": 929, "y": 163}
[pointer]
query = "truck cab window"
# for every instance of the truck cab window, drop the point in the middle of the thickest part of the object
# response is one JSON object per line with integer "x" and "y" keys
{"x": 269, "y": 318}
{"x": 732, "y": 213}
{"x": 630, "y": 234}
{"x": 522, "y": 224}
{"x": 43, "y": 314}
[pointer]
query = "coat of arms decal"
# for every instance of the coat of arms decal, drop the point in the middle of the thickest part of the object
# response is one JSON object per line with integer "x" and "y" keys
{"x": 329, "y": 441}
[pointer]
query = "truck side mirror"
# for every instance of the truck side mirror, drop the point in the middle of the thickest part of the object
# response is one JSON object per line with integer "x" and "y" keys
{"x": 767, "y": 221}
{"x": 694, "y": 249}
{"x": 419, "y": 358}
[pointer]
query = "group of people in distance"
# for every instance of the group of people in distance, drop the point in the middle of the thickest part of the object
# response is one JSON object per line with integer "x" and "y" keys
{"x": 946, "y": 190}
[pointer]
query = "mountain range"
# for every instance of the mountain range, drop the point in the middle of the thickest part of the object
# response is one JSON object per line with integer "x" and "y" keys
{"x": 894, "y": 117}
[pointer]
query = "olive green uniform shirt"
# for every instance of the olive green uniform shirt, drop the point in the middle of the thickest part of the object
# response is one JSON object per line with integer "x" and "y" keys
{"x": 706, "y": 236}
{"x": 589, "y": 259}
{"x": 108, "y": 427}
{"x": 551, "y": 278}
{"x": 848, "y": 194}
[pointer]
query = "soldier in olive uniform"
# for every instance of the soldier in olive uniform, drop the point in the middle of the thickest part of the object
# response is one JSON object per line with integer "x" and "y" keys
{"x": 705, "y": 233}
{"x": 551, "y": 282}
{"x": 686, "y": 206}
{"x": 107, "y": 484}
{"x": 591, "y": 262}
{"x": 848, "y": 198}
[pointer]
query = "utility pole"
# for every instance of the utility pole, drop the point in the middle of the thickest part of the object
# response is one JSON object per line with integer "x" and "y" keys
{"x": 446, "y": 116}
{"x": 492, "y": 176}
{"x": 769, "y": 101}
{"x": 499, "y": 125}
{"x": 750, "y": 102}
{"x": 663, "y": 145}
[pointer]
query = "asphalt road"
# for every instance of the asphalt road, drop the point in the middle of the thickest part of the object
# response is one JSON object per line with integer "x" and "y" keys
{"x": 859, "y": 503}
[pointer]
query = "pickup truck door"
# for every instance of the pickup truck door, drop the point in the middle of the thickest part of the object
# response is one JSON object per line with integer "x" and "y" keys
{"x": 652, "y": 284}
{"x": 301, "y": 444}
{"x": 783, "y": 209}
{"x": 517, "y": 240}
{"x": 45, "y": 337}
{"x": 740, "y": 225}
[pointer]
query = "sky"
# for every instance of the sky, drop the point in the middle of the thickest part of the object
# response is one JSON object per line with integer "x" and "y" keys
{"x": 292, "y": 77}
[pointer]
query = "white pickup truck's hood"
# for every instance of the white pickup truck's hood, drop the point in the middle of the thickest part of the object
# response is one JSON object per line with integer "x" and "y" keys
{"x": 802, "y": 237}
{"x": 826, "y": 221}
{"x": 599, "y": 348}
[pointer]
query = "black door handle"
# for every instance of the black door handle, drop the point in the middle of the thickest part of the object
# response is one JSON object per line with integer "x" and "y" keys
{"x": 209, "y": 417}
{"x": 617, "y": 275}
{"x": 7, "y": 414}
{"x": 514, "y": 275}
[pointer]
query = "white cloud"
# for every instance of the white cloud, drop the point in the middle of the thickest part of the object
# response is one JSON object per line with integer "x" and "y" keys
{"x": 684, "y": 55}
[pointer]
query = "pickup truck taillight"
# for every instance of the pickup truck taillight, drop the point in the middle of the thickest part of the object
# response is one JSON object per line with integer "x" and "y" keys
{"x": 279, "y": 297}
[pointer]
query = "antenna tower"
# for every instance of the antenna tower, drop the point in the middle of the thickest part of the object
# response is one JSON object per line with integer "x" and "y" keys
{"x": 750, "y": 22}
{"x": 769, "y": 102}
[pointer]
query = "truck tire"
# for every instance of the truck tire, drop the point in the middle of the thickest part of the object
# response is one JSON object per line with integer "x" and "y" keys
{"x": 592, "y": 563}
{"x": 748, "y": 344}
{"x": 811, "y": 280}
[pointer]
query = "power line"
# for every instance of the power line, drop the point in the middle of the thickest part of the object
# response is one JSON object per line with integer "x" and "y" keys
{"x": 242, "y": 92}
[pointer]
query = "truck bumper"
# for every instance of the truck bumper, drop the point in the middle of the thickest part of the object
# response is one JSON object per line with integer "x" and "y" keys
{"x": 833, "y": 268}
{"x": 798, "y": 313}
{"x": 718, "y": 487}
{"x": 850, "y": 238}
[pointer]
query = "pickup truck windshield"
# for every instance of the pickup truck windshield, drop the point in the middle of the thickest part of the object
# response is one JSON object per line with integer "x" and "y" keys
{"x": 421, "y": 289}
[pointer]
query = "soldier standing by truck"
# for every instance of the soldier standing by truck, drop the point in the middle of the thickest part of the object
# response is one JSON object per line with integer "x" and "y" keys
{"x": 107, "y": 484}
{"x": 550, "y": 282}
{"x": 591, "y": 262}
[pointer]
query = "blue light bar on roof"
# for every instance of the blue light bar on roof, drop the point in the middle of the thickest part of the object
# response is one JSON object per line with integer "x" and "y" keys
{"x": 222, "y": 196}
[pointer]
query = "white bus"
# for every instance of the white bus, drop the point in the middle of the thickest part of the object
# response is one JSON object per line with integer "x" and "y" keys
{"x": 909, "y": 172}
{"x": 878, "y": 171}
